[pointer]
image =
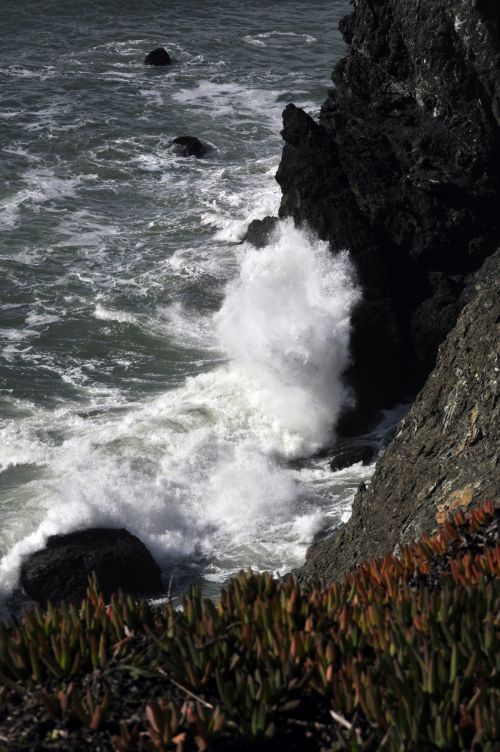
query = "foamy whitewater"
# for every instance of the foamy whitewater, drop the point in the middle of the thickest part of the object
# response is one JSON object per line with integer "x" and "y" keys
{"x": 157, "y": 374}
{"x": 202, "y": 468}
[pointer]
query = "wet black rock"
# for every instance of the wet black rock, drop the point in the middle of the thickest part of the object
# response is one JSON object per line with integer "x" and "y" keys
{"x": 158, "y": 57}
{"x": 189, "y": 146}
{"x": 350, "y": 455}
{"x": 260, "y": 231}
{"x": 61, "y": 569}
{"x": 445, "y": 455}
{"x": 403, "y": 169}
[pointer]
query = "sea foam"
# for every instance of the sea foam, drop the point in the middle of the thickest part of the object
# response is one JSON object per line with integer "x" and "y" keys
{"x": 202, "y": 468}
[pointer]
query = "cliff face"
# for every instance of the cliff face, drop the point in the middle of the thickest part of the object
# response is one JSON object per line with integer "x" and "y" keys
{"x": 403, "y": 169}
{"x": 446, "y": 454}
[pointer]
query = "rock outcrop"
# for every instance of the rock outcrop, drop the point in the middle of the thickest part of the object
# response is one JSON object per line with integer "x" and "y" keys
{"x": 260, "y": 231}
{"x": 61, "y": 570}
{"x": 189, "y": 146}
{"x": 446, "y": 454}
{"x": 158, "y": 57}
{"x": 403, "y": 169}
{"x": 345, "y": 456}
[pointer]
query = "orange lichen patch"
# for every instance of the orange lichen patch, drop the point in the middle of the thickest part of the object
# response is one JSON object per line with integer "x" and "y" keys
{"x": 473, "y": 435}
{"x": 460, "y": 499}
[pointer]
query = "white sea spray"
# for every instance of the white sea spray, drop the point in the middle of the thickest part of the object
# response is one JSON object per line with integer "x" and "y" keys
{"x": 201, "y": 467}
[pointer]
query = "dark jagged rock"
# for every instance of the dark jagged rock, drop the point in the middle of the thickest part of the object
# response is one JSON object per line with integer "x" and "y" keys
{"x": 189, "y": 146}
{"x": 158, "y": 57}
{"x": 61, "y": 569}
{"x": 260, "y": 230}
{"x": 403, "y": 169}
{"x": 349, "y": 455}
{"x": 445, "y": 455}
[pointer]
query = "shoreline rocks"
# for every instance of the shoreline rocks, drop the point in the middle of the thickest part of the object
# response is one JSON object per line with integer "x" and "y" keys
{"x": 61, "y": 570}
{"x": 346, "y": 456}
{"x": 445, "y": 455}
{"x": 400, "y": 169}
{"x": 260, "y": 231}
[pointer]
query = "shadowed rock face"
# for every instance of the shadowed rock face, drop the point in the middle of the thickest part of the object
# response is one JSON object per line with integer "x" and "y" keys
{"x": 61, "y": 570}
{"x": 403, "y": 169}
{"x": 346, "y": 456}
{"x": 446, "y": 453}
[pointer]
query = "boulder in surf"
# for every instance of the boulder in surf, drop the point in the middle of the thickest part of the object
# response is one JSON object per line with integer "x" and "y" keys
{"x": 260, "y": 230}
{"x": 350, "y": 455}
{"x": 189, "y": 146}
{"x": 158, "y": 57}
{"x": 61, "y": 570}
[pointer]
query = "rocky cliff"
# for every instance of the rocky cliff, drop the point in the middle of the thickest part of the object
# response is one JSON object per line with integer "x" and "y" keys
{"x": 403, "y": 169}
{"x": 447, "y": 452}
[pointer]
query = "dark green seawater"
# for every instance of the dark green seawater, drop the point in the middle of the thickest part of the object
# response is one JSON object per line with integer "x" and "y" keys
{"x": 154, "y": 373}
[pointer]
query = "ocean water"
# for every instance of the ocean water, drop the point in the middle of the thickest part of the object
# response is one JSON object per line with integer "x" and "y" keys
{"x": 155, "y": 373}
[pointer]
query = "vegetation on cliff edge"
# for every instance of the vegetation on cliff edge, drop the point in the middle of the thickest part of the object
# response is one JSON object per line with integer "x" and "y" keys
{"x": 403, "y": 655}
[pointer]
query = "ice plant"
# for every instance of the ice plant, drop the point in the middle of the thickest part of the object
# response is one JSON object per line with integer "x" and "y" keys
{"x": 402, "y": 655}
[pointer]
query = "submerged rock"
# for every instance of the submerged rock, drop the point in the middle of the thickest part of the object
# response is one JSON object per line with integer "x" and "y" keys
{"x": 401, "y": 169}
{"x": 260, "y": 230}
{"x": 189, "y": 146}
{"x": 350, "y": 455}
{"x": 445, "y": 456}
{"x": 61, "y": 569}
{"x": 159, "y": 56}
